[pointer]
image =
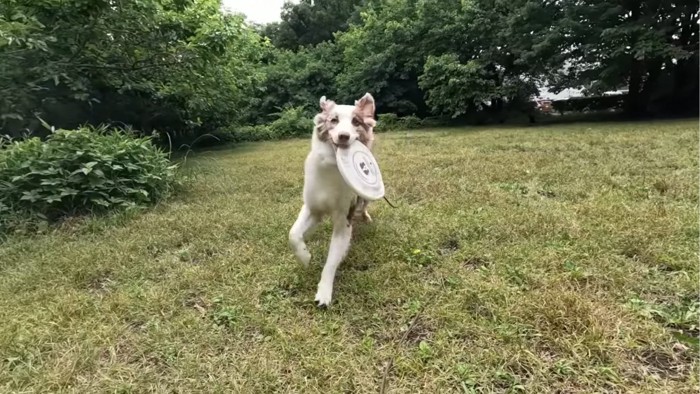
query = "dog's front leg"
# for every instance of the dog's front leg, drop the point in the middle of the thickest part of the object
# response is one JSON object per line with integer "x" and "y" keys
{"x": 304, "y": 225}
{"x": 340, "y": 243}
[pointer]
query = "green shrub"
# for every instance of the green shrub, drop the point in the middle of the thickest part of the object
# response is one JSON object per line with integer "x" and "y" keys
{"x": 392, "y": 122}
{"x": 589, "y": 104}
{"x": 219, "y": 136}
{"x": 410, "y": 122}
{"x": 251, "y": 133}
{"x": 291, "y": 122}
{"x": 386, "y": 122}
{"x": 231, "y": 134}
{"x": 79, "y": 171}
{"x": 433, "y": 122}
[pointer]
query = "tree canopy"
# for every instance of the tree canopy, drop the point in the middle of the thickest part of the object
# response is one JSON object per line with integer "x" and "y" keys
{"x": 147, "y": 63}
{"x": 188, "y": 67}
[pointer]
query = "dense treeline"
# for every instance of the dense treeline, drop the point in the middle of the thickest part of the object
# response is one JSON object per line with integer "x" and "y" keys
{"x": 186, "y": 67}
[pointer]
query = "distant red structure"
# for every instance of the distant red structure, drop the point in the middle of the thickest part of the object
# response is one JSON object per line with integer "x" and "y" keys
{"x": 544, "y": 106}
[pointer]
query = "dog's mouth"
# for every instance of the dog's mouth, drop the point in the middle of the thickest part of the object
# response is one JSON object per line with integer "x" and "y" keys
{"x": 341, "y": 145}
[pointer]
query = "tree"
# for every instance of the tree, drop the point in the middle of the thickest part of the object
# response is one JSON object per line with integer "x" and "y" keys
{"x": 151, "y": 64}
{"x": 487, "y": 71}
{"x": 447, "y": 56}
{"x": 310, "y": 22}
{"x": 605, "y": 44}
{"x": 299, "y": 79}
{"x": 385, "y": 55}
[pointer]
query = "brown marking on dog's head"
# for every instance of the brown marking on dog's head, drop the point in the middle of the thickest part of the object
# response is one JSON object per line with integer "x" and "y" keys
{"x": 363, "y": 118}
{"x": 323, "y": 119}
{"x": 341, "y": 125}
{"x": 365, "y": 108}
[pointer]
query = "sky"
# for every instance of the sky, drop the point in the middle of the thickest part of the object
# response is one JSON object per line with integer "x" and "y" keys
{"x": 258, "y": 11}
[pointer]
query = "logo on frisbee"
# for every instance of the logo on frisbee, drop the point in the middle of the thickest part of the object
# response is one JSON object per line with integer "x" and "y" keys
{"x": 365, "y": 167}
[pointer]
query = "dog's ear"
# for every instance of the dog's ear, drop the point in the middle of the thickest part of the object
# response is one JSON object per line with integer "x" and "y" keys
{"x": 320, "y": 127}
{"x": 325, "y": 104}
{"x": 365, "y": 107}
{"x": 320, "y": 119}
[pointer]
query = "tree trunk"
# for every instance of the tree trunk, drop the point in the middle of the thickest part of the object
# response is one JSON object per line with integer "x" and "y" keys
{"x": 635, "y": 105}
{"x": 654, "y": 71}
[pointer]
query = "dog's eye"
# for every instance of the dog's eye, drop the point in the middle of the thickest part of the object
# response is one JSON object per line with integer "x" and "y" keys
{"x": 334, "y": 120}
{"x": 355, "y": 122}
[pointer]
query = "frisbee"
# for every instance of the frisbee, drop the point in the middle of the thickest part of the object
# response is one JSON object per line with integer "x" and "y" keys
{"x": 360, "y": 171}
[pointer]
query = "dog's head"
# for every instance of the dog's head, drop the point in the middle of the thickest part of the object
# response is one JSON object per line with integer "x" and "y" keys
{"x": 341, "y": 125}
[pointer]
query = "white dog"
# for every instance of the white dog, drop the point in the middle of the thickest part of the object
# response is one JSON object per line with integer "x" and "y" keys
{"x": 325, "y": 191}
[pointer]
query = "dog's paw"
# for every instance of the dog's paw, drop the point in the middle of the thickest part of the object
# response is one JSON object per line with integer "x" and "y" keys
{"x": 362, "y": 217}
{"x": 366, "y": 217}
{"x": 303, "y": 256}
{"x": 323, "y": 296}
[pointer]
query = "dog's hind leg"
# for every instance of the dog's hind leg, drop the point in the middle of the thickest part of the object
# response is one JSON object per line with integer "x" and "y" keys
{"x": 361, "y": 210}
{"x": 340, "y": 243}
{"x": 305, "y": 223}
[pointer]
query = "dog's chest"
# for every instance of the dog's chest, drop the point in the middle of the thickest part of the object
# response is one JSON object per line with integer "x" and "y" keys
{"x": 324, "y": 187}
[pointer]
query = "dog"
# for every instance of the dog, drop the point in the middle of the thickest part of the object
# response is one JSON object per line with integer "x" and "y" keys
{"x": 325, "y": 191}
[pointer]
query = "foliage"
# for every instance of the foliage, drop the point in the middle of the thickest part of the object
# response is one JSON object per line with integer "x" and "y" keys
{"x": 392, "y": 122}
{"x": 445, "y": 57}
{"x": 384, "y": 55}
{"x": 148, "y": 63}
{"x": 453, "y": 88}
{"x": 605, "y": 44}
{"x": 589, "y": 104}
{"x": 294, "y": 79}
{"x": 189, "y": 68}
{"x": 251, "y": 133}
{"x": 76, "y": 171}
{"x": 311, "y": 22}
{"x": 291, "y": 122}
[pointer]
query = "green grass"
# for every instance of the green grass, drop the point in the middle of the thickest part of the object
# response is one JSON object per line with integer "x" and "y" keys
{"x": 560, "y": 259}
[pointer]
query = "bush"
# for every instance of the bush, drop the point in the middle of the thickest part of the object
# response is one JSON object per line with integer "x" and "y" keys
{"x": 250, "y": 133}
{"x": 219, "y": 136}
{"x": 410, "y": 122}
{"x": 433, "y": 122}
{"x": 590, "y": 104}
{"x": 79, "y": 171}
{"x": 291, "y": 122}
{"x": 392, "y": 122}
{"x": 386, "y": 122}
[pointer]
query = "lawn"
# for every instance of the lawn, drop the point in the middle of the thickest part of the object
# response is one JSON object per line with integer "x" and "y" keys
{"x": 558, "y": 259}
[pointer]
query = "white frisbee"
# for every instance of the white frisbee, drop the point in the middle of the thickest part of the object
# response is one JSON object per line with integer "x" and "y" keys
{"x": 360, "y": 171}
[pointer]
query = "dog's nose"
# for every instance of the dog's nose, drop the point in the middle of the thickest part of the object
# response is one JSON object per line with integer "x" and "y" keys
{"x": 343, "y": 137}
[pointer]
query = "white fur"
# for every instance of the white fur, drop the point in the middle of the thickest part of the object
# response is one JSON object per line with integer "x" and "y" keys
{"x": 326, "y": 193}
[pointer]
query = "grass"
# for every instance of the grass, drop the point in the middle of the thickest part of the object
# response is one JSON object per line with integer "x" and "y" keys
{"x": 541, "y": 260}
